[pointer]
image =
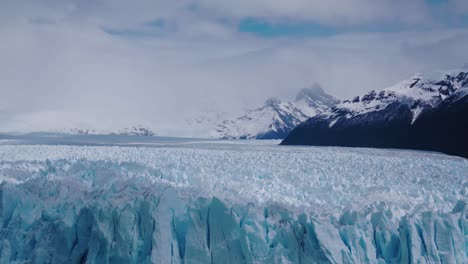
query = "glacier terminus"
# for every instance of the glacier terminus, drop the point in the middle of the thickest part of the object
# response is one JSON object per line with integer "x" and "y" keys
{"x": 189, "y": 201}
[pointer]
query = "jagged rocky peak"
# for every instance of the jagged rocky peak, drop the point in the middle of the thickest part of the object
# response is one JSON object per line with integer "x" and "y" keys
{"x": 428, "y": 90}
{"x": 272, "y": 101}
{"x": 316, "y": 95}
{"x": 310, "y": 92}
{"x": 462, "y": 77}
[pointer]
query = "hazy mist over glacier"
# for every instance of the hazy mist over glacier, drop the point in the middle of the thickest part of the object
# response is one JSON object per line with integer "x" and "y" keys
{"x": 111, "y": 64}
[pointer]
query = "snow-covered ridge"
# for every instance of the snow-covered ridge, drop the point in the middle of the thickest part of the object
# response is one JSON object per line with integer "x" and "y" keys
{"x": 237, "y": 203}
{"x": 276, "y": 118}
{"x": 419, "y": 92}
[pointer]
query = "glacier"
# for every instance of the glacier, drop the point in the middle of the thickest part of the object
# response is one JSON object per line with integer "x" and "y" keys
{"x": 230, "y": 202}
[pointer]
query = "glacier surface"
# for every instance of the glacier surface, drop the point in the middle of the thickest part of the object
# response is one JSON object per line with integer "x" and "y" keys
{"x": 230, "y": 202}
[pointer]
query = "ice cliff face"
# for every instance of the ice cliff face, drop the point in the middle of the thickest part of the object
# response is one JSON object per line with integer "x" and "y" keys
{"x": 277, "y": 118}
{"x": 221, "y": 204}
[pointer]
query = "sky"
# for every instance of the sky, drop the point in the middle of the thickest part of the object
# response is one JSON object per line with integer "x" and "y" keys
{"x": 116, "y": 63}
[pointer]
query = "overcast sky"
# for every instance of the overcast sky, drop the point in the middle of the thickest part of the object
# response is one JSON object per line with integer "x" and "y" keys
{"x": 114, "y": 63}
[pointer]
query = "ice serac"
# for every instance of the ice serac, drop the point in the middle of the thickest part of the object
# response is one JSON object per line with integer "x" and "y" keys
{"x": 276, "y": 118}
{"x": 158, "y": 205}
{"x": 150, "y": 230}
{"x": 396, "y": 117}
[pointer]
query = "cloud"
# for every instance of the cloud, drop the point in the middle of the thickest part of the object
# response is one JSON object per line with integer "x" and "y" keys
{"x": 458, "y": 6}
{"x": 79, "y": 63}
{"x": 332, "y": 12}
{"x": 125, "y": 14}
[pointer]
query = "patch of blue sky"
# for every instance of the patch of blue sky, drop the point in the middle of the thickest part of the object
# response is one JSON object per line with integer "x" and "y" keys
{"x": 157, "y": 27}
{"x": 441, "y": 17}
{"x": 436, "y": 2}
{"x": 264, "y": 28}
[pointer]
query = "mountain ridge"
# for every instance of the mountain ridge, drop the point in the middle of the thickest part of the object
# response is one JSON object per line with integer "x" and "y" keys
{"x": 276, "y": 118}
{"x": 138, "y": 130}
{"x": 390, "y": 117}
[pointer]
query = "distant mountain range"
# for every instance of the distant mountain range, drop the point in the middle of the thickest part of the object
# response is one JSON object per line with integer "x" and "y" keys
{"x": 427, "y": 113}
{"x": 276, "y": 118}
{"x": 128, "y": 131}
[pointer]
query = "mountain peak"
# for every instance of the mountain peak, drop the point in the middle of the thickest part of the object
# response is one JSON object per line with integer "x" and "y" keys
{"x": 315, "y": 95}
{"x": 276, "y": 118}
{"x": 416, "y": 76}
{"x": 310, "y": 92}
{"x": 272, "y": 101}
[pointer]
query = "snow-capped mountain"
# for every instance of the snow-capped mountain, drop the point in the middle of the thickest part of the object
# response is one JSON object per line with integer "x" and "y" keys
{"x": 276, "y": 118}
{"x": 314, "y": 100}
{"x": 273, "y": 120}
{"x": 418, "y": 93}
{"x": 444, "y": 128}
{"x": 204, "y": 125}
{"x": 383, "y": 118}
{"x": 138, "y": 130}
